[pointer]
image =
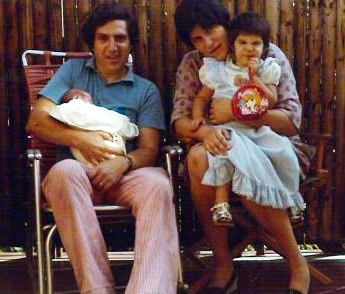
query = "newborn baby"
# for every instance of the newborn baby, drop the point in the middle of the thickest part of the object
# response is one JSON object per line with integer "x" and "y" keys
{"x": 78, "y": 111}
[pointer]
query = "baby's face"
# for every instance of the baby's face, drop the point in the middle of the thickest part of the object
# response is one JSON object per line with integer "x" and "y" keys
{"x": 248, "y": 47}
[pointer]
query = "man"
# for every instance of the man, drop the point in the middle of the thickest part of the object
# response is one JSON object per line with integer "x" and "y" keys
{"x": 72, "y": 188}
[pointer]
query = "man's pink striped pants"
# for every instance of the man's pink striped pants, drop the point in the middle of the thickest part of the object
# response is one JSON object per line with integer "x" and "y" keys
{"x": 148, "y": 191}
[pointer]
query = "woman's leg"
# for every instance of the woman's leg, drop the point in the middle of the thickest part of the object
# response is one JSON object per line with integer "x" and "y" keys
{"x": 203, "y": 198}
{"x": 277, "y": 222}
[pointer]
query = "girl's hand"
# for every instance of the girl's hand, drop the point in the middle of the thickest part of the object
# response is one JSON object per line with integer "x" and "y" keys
{"x": 221, "y": 111}
{"x": 253, "y": 66}
{"x": 216, "y": 141}
{"x": 197, "y": 122}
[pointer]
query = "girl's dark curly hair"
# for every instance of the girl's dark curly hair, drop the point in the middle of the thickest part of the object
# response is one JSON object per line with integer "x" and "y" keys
{"x": 250, "y": 23}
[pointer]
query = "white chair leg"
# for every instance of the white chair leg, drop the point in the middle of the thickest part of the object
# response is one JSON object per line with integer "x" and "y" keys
{"x": 50, "y": 276}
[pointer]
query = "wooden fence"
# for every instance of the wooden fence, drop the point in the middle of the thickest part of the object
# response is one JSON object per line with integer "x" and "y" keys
{"x": 311, "y": 33}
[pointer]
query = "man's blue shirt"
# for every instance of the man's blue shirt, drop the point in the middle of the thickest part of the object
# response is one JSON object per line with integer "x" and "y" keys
{"x": 133, "y": 96}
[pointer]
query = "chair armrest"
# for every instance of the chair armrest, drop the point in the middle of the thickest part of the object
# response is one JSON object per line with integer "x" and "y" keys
{"x": 172, "y": 150}
{"x": 320, "y": 140}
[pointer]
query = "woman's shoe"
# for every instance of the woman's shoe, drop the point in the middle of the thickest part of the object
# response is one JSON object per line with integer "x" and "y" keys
{"x": 291, "y": 291}
{"x": 229, "y": 288}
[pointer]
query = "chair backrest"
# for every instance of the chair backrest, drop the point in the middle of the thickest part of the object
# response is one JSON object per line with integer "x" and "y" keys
{"x": 37, "y": 76}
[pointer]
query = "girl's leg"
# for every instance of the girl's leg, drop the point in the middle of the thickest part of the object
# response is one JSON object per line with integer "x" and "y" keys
{"x": 222, "y": 194}
{"x": 277, "y": 222}
{"x": 203, "y": 198}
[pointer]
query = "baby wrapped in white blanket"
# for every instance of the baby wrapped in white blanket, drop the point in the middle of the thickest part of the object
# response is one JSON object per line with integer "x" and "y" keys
{"x": 86, "y": 116}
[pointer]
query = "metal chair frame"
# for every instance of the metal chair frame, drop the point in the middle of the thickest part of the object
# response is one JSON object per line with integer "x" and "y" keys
{"x": 35, "y": 155}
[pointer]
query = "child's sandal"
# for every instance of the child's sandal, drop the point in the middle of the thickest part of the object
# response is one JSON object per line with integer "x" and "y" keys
{"x": 221, "y": 215}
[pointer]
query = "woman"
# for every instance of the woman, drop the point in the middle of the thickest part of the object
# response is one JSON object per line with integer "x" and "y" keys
{"x": 204, "y": 25}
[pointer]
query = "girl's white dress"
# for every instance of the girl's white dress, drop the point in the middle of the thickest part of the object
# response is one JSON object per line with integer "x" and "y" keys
{"x": 81, "y": 115}
{"x": 261, "y": 165}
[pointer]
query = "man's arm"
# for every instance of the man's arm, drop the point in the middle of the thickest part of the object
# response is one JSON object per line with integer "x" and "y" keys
{"x": 42, "y": 126}
{"x": 105, "y": 175}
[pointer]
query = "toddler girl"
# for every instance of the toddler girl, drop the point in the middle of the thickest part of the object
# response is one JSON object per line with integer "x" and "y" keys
{"x": 245, "y": 74}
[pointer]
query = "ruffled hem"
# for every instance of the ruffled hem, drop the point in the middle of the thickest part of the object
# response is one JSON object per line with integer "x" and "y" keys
{"x": 252, "y": 190}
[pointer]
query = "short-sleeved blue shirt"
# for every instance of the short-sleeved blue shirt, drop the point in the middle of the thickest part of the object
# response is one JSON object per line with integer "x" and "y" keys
{"x": 133, "y": 96}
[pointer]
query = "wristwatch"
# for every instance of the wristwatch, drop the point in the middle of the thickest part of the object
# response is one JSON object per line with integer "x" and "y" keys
{"x": 129, "y": 162}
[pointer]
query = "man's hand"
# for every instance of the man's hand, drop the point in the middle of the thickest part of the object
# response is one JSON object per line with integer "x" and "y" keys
{"x": 221, "y": 111}
{"x": 197, "y": 122}
{"x": 93, "y": 148}
{"x": 108, "y": 173}
{"x": 215, "y": 141}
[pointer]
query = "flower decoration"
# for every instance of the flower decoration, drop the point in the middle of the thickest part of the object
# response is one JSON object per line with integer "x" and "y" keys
{"x": 249, "y": 102}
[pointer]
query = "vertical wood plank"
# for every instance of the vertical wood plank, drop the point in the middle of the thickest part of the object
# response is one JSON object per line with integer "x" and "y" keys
{"x": 156, "y": 44}
{"x": 258, "y": 6}
{"x": 301, "y": 55}
{"x": 242, "y": 6}
{"x": 26, "y": 32}
{"x": 338, "y": 213}
{"x": 286, "y": 29}
{"x": 5, "y": 141}
{"x": 40, "y": 24}
{"x": 314, "y": 63}
{"x": 328, "y": 93}
{"x": 141, "y": 64}
{"x": 70, "y": 26}
{"x": 170, "y": 50}
{"x": 230, "y": 4}
{"x": 83, "y": 10}
{"x": 272, "y": 13}
{"x": 55, "y": 25}
{"x": 314, "y": 97}
{"x": 17, "y": 112}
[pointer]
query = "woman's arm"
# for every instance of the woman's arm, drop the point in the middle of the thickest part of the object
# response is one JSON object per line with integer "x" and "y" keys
{"x": 201, "y": 102}
{"x": 221, "y": 112}
{"x": 187, "y": 87}
{"x": 214, "y": 139}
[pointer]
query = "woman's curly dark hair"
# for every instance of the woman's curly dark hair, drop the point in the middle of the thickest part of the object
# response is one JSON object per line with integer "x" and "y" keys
{"x": 205, "y": 13}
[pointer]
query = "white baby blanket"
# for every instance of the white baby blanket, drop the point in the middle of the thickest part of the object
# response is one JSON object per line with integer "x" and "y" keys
{"x": 79, "y": 114}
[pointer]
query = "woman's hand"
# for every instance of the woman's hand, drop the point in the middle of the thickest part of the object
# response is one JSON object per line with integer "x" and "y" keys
{"x": 221, "y": 111}
{"x": 215, "y": 141}
{"x": 108, "y": 173}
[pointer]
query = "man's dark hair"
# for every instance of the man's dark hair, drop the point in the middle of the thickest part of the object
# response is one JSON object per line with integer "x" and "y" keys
{"x": 104, "y": 13}
{"x": 250, "y": 23}
{"x": 205, "y": 13}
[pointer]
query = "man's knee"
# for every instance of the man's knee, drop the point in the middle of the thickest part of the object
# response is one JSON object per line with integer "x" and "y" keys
{"x": 63, "y": 174}
{"x": 157, "y": 184}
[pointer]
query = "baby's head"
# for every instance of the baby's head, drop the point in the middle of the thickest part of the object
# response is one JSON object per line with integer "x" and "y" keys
{"x": 249, "y": 36}
{"x": 77, "y": 94}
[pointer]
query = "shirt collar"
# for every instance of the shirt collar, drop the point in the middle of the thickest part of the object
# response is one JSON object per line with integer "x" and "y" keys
{"x": 129, "y": 77}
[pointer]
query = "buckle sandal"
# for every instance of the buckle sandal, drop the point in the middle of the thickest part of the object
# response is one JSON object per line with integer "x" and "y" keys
{"x": 221, "y": 215}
